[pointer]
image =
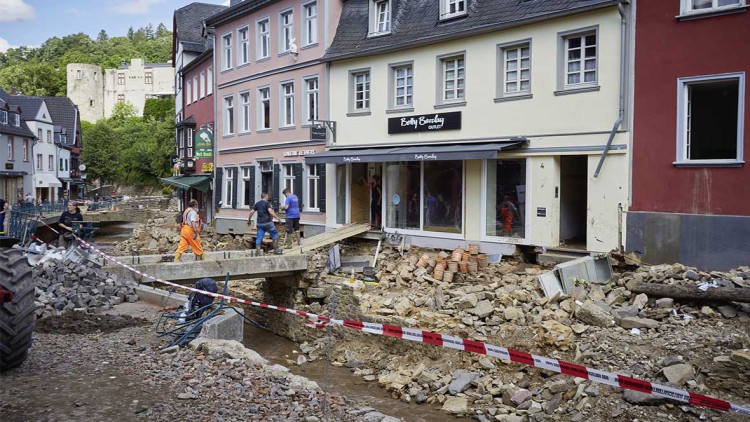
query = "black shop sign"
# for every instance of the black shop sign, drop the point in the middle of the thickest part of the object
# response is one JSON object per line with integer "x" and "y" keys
{"x": 425, "y": 123}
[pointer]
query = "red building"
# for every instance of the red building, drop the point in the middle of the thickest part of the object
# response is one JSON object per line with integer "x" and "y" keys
{"x": 690, "y": 183}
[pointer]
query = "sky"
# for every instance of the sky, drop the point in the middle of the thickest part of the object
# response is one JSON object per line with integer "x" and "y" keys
{"x": 32, "y": 22}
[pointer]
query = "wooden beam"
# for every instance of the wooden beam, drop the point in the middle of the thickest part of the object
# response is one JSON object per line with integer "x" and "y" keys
{"x": 724, "y": 294}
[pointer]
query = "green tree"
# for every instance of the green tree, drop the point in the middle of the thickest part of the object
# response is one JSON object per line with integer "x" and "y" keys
{"x": 101, "y": 151}
{"x": 33, "y": 78}
{"x": 122, "y": 112}
{"x": 159, "y": 109}
{"x": 102, "y": 36}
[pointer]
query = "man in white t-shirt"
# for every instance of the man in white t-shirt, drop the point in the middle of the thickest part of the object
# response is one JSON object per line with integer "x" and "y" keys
{"x": 189, "y": 232}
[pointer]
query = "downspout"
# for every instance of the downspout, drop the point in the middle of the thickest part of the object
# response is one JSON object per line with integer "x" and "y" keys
{"x": 623, "y": 64}
{"x": 215, "y": 91}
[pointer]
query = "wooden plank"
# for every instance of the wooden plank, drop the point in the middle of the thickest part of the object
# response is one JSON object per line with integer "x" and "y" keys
{"x": 334, "y": 236}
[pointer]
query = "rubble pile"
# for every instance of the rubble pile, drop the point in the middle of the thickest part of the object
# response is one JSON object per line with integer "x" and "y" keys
{"x": 696, "y": 345}
{"x": 63, "y": 287}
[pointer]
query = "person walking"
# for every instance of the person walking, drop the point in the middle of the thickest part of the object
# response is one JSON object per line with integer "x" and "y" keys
{"x": 291, "y": 205}
{"x": 190, "y": 232}
{"x": 266, "y": 214}
{"x": 73, "y": 213}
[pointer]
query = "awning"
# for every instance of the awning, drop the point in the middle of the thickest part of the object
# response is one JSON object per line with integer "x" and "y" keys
{"x": 201, "y": 183}
{"x": 13, "y": 173}
{"x": 65, "y": 179}
{"x": 44, "y": 180}
{"x": 413, "y": 153}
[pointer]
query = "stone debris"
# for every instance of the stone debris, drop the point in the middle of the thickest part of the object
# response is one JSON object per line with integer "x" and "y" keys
{"x": 63, "y": 286}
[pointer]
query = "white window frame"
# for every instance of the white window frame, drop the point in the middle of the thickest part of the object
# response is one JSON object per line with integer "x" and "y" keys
{"x": 526, "y": 240}
{"x": 190, "y": 142}
{"x": 263, "y": 42}
{"x": 202, "y": 79}
{"x": 311, "y": 201}
{"x": 682, "y": 113}
{"x": 228, "y": 118}
{"x": 120, "y": 78}
{"x": 287, "y": 179}
{"x": 226, "y": 48}
{"x": 564, "y": 38}
{"x": 228, "y": 186}
{"x": 195, "y": 89}
{"x": 311, "y": 94}
{"x": 244, "y": 180}
{"x": 688, "y": 7}
{"x": 209, "y": 80}
{"x": 503, "y": 72}
{"x": 49, "y": 136}
{"x": 79, "y": 74}
{"x": 408, "y": 78}
{"x": 287, "y": 104}
{"x": 366, "y": 82}
{"x": 188, "y": 92}
{"x": 310, "y": 15}
{"x": 39, "y": 161}
{"x": 245, "y": 112}
{"x": 25, "y": 150}
{"x": 4, "y": 117}
{"x": 50, "y": 163}
{"x": 286, "y": 30}
{"x": 443, "y": 68}
{"x": 16, "y": 120}
{"x": 381, "y": 21}
{"x": 452, "y": 8}
{"x": 244, "y": 44}
{"x": 264, "y": 95}
{"x": 11, "y": 149}
{"x": 148, "y": 78}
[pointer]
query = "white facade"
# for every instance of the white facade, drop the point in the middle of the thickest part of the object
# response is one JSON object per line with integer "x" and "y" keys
{"x": 44, "y": 157}
{"x": 556, "y": 198}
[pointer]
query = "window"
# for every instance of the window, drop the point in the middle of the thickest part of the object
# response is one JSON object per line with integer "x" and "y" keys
{"x": 229, "y": 187}
{"x": 312, "y": 100}
{"x": 264, "y": 110}
{"x": 264, "y": 39}
{"x": 403, "y": 86}
{"x": 4, "y": 117}
{"x": 195, "y": 89}
{"x": 26, "y": 150}
{"x": 380, "y": 17}
{"x": 709, "y": 5}
{"x": 16, "y": 120}
{"x": 515, "y": 74}
{"x": 247, "y": 187}
{"x": 66, "y": 165}
{"x": 505, "y": 192}
{"x": 228, "y": 116}
{"x": 226, "y": 42}
{"x": 11, "y": 149}
{"x": 49, "y": 136}
{"x": 287, "y": 178}
{"x": 209, "y": 80}
{"x": 710, "y": 119}
{"x": 120, "y": 79}
{"x": 361, "y": 91}
{"x": 287, "y": 104}
{"x": 202, "y": 79}
{"x": 245, "y": 114}
{"x": 188, "y": 92}
{"x": 61, "y": 166}
{"x": 40, "y": 135}
{"x": 452, "y": 8}
{"x": 149, "y": 78}
{"x": 50, "y": 163}
{"x": 79, "y": 74}
{"x": 120, "y": 98}
{"x": 580, "y": 60}
{"x": 181, "y": 143}
{"x": 39, "y": 162}
{"x": 453, "y": 78}
{"x": 243, "y": 55}
{"x": 189, "y": 139}
{"x": 91, "y": 103}
{"x": 310, "y": 12}
{"x": 286, "y": 26}
{"x": 313, "y": 186}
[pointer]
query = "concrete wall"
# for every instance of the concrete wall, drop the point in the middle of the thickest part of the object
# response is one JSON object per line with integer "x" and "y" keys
{"x": 709, "y": 242}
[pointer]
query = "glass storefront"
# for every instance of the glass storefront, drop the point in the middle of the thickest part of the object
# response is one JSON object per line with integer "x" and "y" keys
{"x": 404, "y": 195}
{"x": 506, "y": 198}
{"x": 443, "y": 196}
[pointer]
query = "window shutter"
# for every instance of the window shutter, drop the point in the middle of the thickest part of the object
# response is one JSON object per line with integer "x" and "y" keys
{"x": 235, "y": 182}
{"x": 251, "y": 181}
{"x": 218, "y": 186}
{"x": 297, "y": 185}
{"x": 276, "y": 187}
{"x": 322, "y": 187}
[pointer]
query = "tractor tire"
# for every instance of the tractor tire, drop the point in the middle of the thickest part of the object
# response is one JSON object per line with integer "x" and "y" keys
{"x": 17, "y": 318}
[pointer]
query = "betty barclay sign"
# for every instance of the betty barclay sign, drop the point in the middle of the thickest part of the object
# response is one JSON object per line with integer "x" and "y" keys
{"x": 204, "y": 145}
{"x": 425, "y": 123}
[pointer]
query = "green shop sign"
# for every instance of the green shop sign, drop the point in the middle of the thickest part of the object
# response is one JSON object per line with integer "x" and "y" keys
{"x": 204, "y": 144}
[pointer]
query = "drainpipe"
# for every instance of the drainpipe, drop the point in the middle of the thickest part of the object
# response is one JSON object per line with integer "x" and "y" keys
{"x": 623, "y": 65}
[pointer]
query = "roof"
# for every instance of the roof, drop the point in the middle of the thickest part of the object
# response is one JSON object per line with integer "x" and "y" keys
{"x": 188, "y": 21}
{"x": 29, "y": 105}
{"x": 237, "y": 10}
{"x": 416, "y": 22}
{"x": 64, "y": 113}
{"x": 124, "y": 66}
{"x": 9, "y": 129}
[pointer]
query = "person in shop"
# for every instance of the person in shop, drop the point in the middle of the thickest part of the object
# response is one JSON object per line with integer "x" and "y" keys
{"x": 190, "y": 232}
{"x": 376, "y": 195}
{"x": 71, "y": 214}
{"x": 266, "y": 214}
{"x": 291, "y": 206}
{"x": 508, "y": 211}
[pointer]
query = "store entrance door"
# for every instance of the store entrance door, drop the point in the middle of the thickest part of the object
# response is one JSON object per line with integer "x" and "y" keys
{"x": 573, "y": 201}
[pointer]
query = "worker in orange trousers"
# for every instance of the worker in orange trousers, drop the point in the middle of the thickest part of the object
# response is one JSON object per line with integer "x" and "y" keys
{"x": 190, "y": 232}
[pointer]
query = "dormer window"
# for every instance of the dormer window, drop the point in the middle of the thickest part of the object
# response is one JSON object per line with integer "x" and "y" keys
{"x": 4, "y": 117}
{"x": 452, "y": 8}
{"x": 16, "y": 120}
{"x": 380, "y": 17}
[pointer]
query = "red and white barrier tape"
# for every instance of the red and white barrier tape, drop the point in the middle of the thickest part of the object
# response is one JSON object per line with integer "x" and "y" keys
{"x": 429, "y": 337}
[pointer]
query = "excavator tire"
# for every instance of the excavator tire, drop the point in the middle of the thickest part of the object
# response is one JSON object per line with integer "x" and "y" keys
{"x": 16, "y": 317}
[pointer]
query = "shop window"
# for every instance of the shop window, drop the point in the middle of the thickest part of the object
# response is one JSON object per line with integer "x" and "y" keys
{"x": 505, "y": 198}
{"x": 403, "y": 199}
{"x": 313, "y": 186}
{"x": 443, "y": 196}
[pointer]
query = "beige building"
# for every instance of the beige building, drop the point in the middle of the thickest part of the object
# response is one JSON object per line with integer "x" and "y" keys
{"x": 96, "y": 92}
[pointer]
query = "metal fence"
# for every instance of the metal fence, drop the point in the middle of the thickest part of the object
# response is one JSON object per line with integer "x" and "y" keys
{"x": 22, "y": 225}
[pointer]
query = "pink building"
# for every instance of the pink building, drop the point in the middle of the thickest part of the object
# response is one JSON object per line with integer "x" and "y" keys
{"x": 270, "y": 87}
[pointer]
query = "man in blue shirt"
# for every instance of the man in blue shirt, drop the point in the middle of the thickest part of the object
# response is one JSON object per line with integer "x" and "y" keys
{"x": 291, "y": 205}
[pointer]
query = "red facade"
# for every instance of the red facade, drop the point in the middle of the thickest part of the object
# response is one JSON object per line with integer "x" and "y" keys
{"x": 667, "y": 49}
{"x": 200, "y": 110}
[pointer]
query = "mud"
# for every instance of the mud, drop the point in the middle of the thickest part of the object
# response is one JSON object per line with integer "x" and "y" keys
{"x": 82, "y": 323}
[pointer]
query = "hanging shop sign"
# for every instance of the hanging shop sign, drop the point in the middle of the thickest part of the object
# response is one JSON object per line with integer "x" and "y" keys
{"x": 318, "y": 132}
{"x": 425, "y": 123}
{"x": 204, "y": 144}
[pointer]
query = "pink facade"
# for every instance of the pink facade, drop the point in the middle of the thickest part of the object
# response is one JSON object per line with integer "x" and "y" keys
{"x": 270, "y": 82}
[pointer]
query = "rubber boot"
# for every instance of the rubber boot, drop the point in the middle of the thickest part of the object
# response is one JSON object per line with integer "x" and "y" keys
{"x": 288, "y": 241}
{"x": 258, "y": 250}
{"x": 177, "y": 257}
{"x": 275, "y": 247}
{"x": 295, "y": 240}
{"x": 201, "y": 257}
